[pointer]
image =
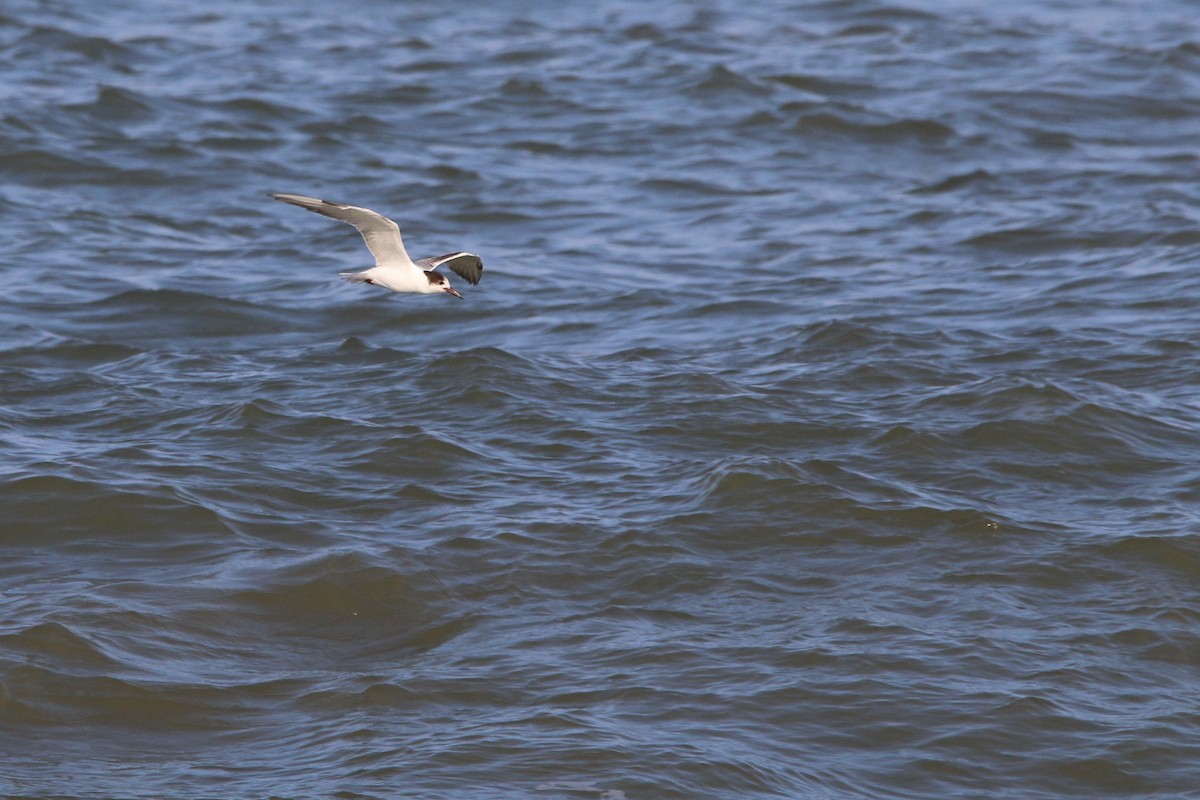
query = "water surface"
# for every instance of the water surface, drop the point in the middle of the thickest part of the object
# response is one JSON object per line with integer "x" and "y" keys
{"x": 824, "y": 425}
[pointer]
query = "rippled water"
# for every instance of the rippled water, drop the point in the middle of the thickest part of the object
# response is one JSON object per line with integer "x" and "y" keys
{"x": 824, "y": 426}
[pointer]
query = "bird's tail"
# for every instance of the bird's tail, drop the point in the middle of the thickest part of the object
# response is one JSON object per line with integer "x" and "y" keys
{"x": 355, "y": 277}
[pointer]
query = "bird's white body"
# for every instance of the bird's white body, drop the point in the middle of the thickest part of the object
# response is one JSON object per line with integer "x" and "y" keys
{"x": 393, "y": 268}
{"x": 397, "y": 277}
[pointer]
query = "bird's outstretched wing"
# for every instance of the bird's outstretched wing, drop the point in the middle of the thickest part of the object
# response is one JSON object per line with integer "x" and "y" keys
{"x": 467, "y": 266}
{"x": 380, "y": 233}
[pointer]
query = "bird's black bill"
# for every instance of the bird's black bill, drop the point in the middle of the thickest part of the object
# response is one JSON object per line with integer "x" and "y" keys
{"x": 450, "y": 290}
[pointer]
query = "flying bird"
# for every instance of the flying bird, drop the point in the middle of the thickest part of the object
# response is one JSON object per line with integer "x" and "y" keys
{"x": 393, "y": 268}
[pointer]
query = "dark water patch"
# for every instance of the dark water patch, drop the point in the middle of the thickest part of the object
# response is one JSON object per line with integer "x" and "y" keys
{"x": 355, "y": 351}
{"x": 1178, "y": 554}
{"x": 47, "y": 169}
{"x": 754, "y": 492}
{"x": 487, "y": 379}
{"x": 879, "y": 12}
{"x": 254, "y": 414}
{"x": 1178, "y": 239}
{"x": 52, "y": 643}
{"x": 417, "y": 453}
{"x": 1050, "y": 139}
{"x": 345, "y": 594}
{"x": 695, "y": 187}
{"x": 720, "y": 80}
{"x": 906, "y": 442}
{"x": 257, "y": 110}
{"x": 825, "y": 86}
{"x": 143, "y": 314}
{"x": 1057, "y": 113}
{"x": 44, "y": 41}
{"x": 846, "y": 336}
{"x": 925, "y": 131}
{"x": 956, "y": 182}
{"x": 431, "y": 65}
{"x": 644, "y": 31}
{"x": 49, "y": 509}
{"x": 402, "y": 95}
{"x": 524, "y": 88}
{"x": 764, "y": 120}
{"x": 115, "y": 104}
{"x": 1049, "y": 238}
{"x": 237, "y": 143}
{"x": 736, "y": 308}
{"x": 491, "y": 217}
{"x": 1004, "y": 396}
{"x": 867, "y": 30}
{"x": 453, "y": 174}
{"x": 425, "y": 496}
{"x": 65, "y": 700}
{"x": 538, "y": 147}
{"x": 67, "y": 354}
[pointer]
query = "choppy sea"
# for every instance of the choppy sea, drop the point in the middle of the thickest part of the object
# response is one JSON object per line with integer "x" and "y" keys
{"x": 825, "y": 425}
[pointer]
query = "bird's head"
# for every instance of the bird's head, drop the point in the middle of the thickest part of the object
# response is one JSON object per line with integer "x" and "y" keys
{"x": 440, "y": 283}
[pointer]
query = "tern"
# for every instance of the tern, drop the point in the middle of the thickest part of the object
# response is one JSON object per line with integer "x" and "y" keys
{"x": 393, "y": 268}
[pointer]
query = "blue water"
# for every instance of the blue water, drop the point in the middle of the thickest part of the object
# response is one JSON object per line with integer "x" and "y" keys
{"x": 824, "y": 425}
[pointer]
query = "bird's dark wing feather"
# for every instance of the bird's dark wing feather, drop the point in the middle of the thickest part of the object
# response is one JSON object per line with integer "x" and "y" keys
{"x": 467, "y": 266}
